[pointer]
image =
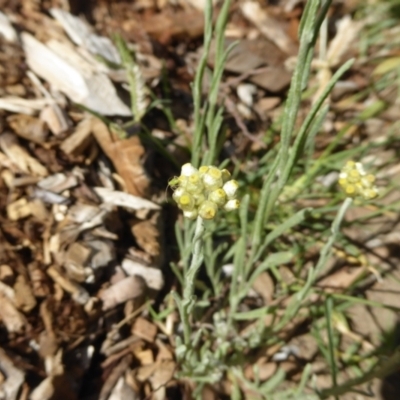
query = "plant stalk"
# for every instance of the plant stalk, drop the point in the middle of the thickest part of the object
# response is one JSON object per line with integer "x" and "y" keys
{"x": 190, "y": 278}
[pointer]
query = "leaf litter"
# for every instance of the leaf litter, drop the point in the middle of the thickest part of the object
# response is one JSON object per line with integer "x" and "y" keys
{"x": 83, "y": 250}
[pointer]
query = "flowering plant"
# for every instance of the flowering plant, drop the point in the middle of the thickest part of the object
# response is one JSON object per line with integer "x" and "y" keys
{"x": 356, "y": 182}
{"x": 201, "y": 192}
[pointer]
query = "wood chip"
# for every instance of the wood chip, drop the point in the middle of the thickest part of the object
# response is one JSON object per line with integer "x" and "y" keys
{"x": 19, "y": 156}
{"x": 264, "y": 286}
{"x": 152, "y": 276}
{"x": 23, "y": 106}
{"x": 15, "y": 377}
{"x": 269, "y": 26}
{"x": 122, "y": 199}
{"x": 79, "y": 294}
{"x": 24, "y": 298}
{"x": 129, "y": 288}
{"x": 55, "y": 118}
{"x": 13, "y": 320}
{"x": 57, "y": 183}
{"x": 79, "y": 140}
{"x": 144, "y": 329}
{"x": 126, "y": 155}
{"x": 82, "y": 35}
{"x": 7, "y": 30}
{"x": 63, "y": 67}
{"x": 28, "y": 127}
{"x": 18, "y": 209}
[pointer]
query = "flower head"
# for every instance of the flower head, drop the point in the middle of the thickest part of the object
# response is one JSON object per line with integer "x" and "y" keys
{"x": 202, "y": 192}
{"x": 356, "y": 182}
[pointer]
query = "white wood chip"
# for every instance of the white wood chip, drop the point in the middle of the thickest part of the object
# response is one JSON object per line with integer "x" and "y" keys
{"x": 81, "y": 34}
{"x": 69, "y": 73}
{"x": 23, "y": 106}
{"x": 6, "y": 29}
{"x": 122, "y": 199}
{"x": 152, "y": 276}
{"x": 19, "y": 156}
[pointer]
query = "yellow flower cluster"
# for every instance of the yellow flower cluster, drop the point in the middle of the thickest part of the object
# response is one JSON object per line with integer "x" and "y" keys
{"x": 201, "y": 192}
{"x": 356, "y": 182}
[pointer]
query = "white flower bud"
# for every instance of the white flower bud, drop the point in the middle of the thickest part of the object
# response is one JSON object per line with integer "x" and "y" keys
{"x": 218, "y": 197}
{"x": 208, "y": 210}
{"x": 231, "y": 188}
{"x": 186, "y": 201}
{"x": 213, "y": 179}
{"x": 199, "y": 198}
{"x": 188, "y": 169}
{"x": 232, "y": 205}
{"x": 194, "y": 184}
{"x": 178, "y": 193}
{"x": 226, "y": 175}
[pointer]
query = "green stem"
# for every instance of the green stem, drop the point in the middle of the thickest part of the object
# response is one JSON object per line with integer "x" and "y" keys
{"x": 389, "y": 366}
{"x": 190, "y": 278}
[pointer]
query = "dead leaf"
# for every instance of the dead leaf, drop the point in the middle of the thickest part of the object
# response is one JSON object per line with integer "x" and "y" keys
{"x": 341, "y": 279}
{"x": 126, "y": 155}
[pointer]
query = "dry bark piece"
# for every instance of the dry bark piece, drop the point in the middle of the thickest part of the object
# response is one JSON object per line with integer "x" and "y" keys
{"x": 102, "y": 253}
{"x": 59, "y": 182}
{"x": 79, "y": 294}
{"x": 122, "y": 199}
{"x": 15, "y": 377}
{"x": 148, "y": 236}
{"x": 123, "y": 391}
{"x": 28, "y": 127}
{"x": 144, "y": 329}
{"x": 249, "y": 55}
{"x": 264, "y": 286}
{"x": 145, "y": 357}
{"x": 18, "y": 209}
{"x": 79, "y": 140}
{"x": 342, "y": 279}
{"x": 274, "y": 79}
{"x": 128, "y": 288}
{"x": 7, "y": 30}
{"x": 82, "y": 35}
{"x": 152, "y": 276}
{"x": 48, "y": 197}
{"x": 55, "y": 119}
{"x": 113, "y": 378}
{"x": 163, "y": 374}
{"x": 126, "y": 155}
{"x": 269, "y": 26}
{"x": 62, "y": 66}
{"x": 24, "y": 298}
{"x": 19, "y": 156}
{"x": 173, "y": 24}
{"x": 23, "y": 106}
{"x": 13, "y": 320}
{"x": 76, "y": 257}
